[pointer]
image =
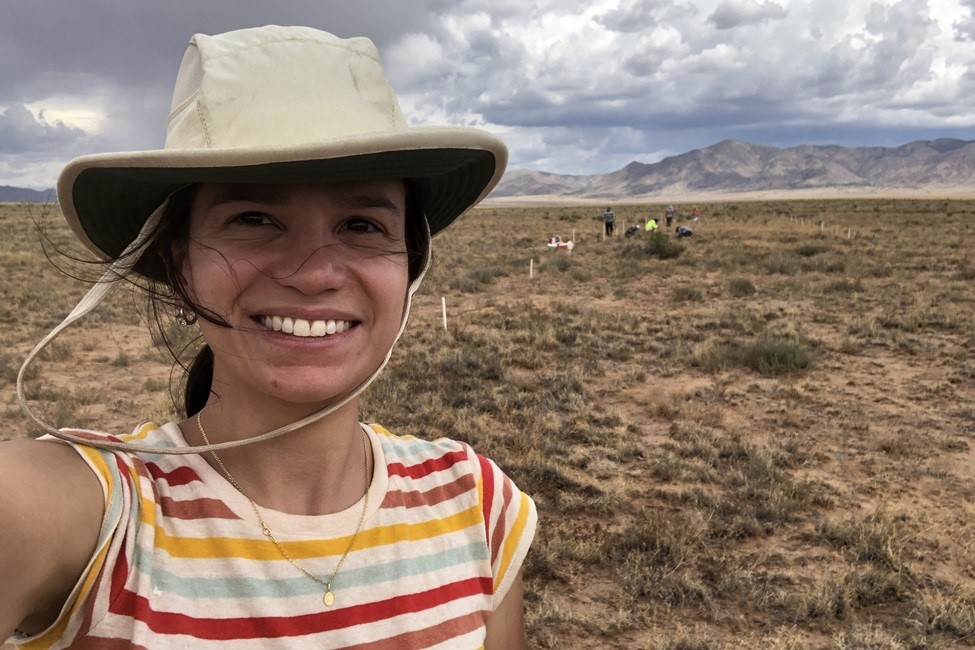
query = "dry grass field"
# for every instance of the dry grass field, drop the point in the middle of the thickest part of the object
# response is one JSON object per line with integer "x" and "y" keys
{"x": 759, "y": 436}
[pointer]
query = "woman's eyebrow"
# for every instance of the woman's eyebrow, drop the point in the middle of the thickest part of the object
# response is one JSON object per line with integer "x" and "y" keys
{"x": 271, "y": 196}
{"x": 250, "y": 194}
{"x": 365, "y": 201}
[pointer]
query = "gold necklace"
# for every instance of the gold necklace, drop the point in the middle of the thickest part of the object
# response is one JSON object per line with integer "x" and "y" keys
{"x": 329, "y": 597}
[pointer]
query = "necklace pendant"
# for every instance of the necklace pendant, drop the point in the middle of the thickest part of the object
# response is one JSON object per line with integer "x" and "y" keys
{"x": 328, "y": 598}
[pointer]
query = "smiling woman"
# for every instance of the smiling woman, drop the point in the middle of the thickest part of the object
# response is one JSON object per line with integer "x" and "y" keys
{"x": 306, "y": 256}
{"x": 289, "y": 217}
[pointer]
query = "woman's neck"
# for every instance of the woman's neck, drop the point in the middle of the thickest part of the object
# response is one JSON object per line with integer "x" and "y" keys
{"x": 318, "y": 469}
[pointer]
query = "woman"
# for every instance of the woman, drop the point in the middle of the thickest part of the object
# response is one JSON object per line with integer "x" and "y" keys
{"x": 289, "y": 216}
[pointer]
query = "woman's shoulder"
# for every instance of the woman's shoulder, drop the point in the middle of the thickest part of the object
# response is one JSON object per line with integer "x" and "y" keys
{"x": 116, "y": 466}
{"x": 414, "y": 444}
{"x": 49, "y": 522}
{"x": 38, "y": 463}
{"x": 53, "y": 473}
{"x": 146, "y": 436}
{"x": 47, "y": 476}
{"x": 411, "y": 454}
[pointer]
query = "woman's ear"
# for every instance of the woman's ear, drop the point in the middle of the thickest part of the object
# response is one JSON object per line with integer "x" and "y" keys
{"x": 174, "y": 259}
{"x": 178, "y": 256}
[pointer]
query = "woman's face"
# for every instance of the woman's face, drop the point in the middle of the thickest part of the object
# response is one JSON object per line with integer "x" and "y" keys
{"x": 312, "y": 279}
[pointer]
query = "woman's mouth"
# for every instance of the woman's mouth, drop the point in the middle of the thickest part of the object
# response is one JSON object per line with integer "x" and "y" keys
{"x": 303, "y": 327}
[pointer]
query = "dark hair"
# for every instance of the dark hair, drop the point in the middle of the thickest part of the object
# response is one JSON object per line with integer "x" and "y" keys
{"x": 170, "y": 246}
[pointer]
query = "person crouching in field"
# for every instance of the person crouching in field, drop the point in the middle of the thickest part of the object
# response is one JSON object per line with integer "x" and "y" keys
{"x": 289, "y": 217}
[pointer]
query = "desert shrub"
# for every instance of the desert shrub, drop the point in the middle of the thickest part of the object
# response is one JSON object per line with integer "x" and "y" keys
{"x": 475, "y": 280}
{"x": 741, "y": 287}
{"x": 770, "y": 357}
{"x": 965, "y": 272}
{"x": 68, "y": 411}
{"x": 562, "y": 262}
{"x": 10, "y": 366}
{"x": 56, "y": 351}
{"x": 779, "y": 263}
{"x": 950, "y": 608}
{"x": 153, "y": 385}
{"x": 580, "y": 274}
{"x": 487, "y": 274}
{"x": 656, "y": 244}
{"x": 465, "y": 284}
{"x": 825, "y": 265}
{"x": 811, "y": 250}
{"x": 685, "y": 293}
{"x": 619, "y": 353}
{"x": 651, "y": 554}
{"x": 844, "y": 286}
{"x": 878, "y": 538}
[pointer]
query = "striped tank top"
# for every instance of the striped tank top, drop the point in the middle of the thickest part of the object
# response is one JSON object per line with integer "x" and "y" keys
{"x": 181, "y": 561}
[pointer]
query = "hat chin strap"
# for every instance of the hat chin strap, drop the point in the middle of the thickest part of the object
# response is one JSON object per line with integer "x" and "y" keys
{"x": 109, "y": 281}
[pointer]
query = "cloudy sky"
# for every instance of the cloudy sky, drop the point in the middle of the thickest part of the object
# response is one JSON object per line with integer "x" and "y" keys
{"x": 573, "y": 86}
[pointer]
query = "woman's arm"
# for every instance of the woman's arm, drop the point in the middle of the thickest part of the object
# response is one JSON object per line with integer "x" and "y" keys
{"x": 506, "y": 626}
{"x": 51, "y": 508}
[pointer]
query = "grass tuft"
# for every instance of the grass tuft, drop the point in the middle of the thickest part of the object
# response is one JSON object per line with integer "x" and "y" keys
{"x": 769, "y": 357}
{"x": 656, "y": 245}
{"x": 741, "y": 287}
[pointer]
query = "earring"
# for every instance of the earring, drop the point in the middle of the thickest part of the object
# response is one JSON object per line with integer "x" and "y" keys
{"x": 184, "y": 319}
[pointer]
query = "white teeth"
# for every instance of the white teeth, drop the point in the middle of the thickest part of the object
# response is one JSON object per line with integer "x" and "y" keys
{"x": 305, "y": 328}
{"x": 302, "y": 327}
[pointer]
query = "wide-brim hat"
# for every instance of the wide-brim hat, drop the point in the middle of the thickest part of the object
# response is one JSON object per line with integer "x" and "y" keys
{"x": 277, "y": 104}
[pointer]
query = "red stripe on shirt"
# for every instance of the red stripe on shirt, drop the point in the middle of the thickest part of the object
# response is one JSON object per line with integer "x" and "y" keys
{"x": 429, "y": 636}
{"x": 121, "y": 569}
{"x": 428, "y": 467}
{"x": 487, "y": 480}
{"x": 500, "y": 526}
{"x": 182, "y": 475}
{"x": 432, "y": 497}
{"x": 267, "y": 627}
{"x": 195, "y": 509}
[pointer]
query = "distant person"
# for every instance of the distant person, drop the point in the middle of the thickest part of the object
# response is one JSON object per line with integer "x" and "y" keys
{"x": 696, "y": 214}
{"x": 651, "y": 225}
{"x": 684, "y": 231}
{"x": 632, "y": 230}
{"x": 609, "y": 221}
{"x": 669, "y": 214}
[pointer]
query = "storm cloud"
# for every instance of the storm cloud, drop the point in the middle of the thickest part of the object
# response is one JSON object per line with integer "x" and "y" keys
{"x": 573, "y": 86}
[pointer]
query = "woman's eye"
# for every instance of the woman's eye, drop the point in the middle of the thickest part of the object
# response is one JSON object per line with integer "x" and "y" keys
{"x": 253, "y": 219}
{"x": 361, "y": 226}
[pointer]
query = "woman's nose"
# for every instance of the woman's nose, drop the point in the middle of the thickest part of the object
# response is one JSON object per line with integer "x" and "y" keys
{"x": 313, "y": 270}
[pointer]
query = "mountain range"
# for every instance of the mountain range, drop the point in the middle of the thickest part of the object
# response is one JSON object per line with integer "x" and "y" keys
{"x": 10, "y": 194}
{"x": 733, "y": 167}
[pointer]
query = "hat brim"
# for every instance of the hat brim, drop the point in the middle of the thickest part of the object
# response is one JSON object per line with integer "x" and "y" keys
{"x": 107, "y": 198}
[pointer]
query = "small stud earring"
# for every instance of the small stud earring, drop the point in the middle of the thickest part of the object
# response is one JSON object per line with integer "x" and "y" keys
{"x": 184, "y": 319}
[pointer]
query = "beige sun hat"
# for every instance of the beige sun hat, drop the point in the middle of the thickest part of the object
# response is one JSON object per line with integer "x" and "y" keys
{"x": 277, "y": 104}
